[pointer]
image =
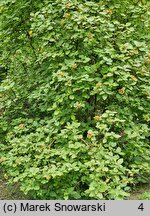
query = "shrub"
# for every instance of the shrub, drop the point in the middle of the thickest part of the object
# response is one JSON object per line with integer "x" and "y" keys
{"x": 75, "y": 101}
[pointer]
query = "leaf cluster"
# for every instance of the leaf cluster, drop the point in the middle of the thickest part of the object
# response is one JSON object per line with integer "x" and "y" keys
{"x": 75, "y": 97}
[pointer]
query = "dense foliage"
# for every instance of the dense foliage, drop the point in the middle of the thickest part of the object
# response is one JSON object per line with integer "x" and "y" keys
{"x": 75, "y": 97}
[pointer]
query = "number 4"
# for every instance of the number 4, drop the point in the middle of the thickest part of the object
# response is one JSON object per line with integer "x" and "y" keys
{"x": 141, "y": 207}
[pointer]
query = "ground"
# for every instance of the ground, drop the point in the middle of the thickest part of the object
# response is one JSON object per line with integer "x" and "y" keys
{"x": 8, "y": 192}
{"x": 142, "y": 192}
